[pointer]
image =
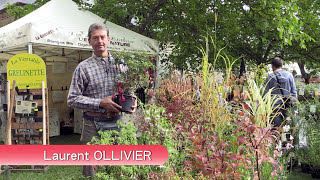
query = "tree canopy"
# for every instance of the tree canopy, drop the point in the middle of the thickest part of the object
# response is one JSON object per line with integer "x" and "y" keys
{"x": 254, "y": 30}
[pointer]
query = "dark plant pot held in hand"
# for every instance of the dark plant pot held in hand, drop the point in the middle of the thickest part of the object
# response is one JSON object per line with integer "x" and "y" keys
{"x": 135, "y": 72}
{"x": 125, "y": 101}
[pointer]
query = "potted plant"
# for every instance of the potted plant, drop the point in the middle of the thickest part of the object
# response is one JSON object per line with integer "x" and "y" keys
{"x": 314, "y": 150}
{"x": 308, "y": 149}
{"x": 135, "y": 71}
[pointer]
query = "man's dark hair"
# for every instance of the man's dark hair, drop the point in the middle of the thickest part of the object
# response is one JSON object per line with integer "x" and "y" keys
{"x": 96, "y": 26}
{"x": 277, "y": 62}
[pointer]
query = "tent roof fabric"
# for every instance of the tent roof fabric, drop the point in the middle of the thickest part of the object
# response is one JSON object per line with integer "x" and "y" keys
{"x": 60, "y": 23}
{"x": 3, "y": 3}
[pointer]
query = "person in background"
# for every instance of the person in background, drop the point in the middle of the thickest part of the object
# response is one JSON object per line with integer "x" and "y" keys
{"x": 91, "y": 89}
{"x": 282, "y": 84}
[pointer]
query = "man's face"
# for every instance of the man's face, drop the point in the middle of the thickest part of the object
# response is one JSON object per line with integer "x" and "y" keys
{"x": 99, "y": 41}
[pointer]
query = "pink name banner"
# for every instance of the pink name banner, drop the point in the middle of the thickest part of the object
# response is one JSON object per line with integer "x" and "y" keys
{"x": 83, "y": 154}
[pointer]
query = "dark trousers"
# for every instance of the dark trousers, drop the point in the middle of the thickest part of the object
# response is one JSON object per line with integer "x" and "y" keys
{"x": 278, "y": 116}
{"x": 89, "y": 130}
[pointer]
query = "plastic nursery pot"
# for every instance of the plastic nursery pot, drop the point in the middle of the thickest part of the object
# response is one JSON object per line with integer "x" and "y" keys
{"x": 305, "y": 168}
{"x": 125, "y": 101}
{"x": 315, "y": 172}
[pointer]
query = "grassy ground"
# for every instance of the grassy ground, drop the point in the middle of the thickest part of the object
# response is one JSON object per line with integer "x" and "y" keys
{"x": 297, "y": 175}
{"x": 74, "y": 172}
{"x": 72, "y": 139}
{"x": 54, "y": 172}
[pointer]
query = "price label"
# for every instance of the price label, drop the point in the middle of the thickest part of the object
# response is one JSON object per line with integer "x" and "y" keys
{"x": 301, "y": 92}
{"x": 313, "y": 108}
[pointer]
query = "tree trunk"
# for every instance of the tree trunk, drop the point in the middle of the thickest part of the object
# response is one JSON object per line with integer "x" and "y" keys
{"x": 151, "y": 16}
{"x": 306, "y": 76}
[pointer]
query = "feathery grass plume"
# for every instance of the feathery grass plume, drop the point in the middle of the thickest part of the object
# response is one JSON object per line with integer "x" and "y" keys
{"x": 261, "y": 106}
{"x": 215, "y": 114}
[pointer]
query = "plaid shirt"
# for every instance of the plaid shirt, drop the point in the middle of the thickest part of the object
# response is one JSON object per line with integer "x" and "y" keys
{"x": 93, "y": 80}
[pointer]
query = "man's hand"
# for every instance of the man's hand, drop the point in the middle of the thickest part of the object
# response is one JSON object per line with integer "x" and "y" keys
{"x": 109, "y": 105}
{"x": 134, "y": 107}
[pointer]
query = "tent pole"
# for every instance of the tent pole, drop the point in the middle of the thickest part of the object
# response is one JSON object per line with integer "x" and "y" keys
{"x": 30, "y": 48}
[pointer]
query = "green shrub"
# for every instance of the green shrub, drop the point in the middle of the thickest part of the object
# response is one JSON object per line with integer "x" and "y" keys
{"x": 155, "y": 130}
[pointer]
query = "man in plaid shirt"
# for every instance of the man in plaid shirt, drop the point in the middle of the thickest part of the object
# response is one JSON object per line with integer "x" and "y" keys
{"x": 91, "y": 89}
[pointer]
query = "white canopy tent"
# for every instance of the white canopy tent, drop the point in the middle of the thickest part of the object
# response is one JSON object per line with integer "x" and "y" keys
{"x": 61, "y": 24}
{"x": 57, "y": 32}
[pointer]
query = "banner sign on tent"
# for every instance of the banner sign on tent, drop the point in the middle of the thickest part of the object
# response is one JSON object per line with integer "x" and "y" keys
{"x": 55, "y": 25}
{"x": 27, "y": 70}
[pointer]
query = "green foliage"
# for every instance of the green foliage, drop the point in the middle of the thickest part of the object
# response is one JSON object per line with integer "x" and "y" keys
{"x": 121, "y": 12}
{"x": 53, "y": 173}
{"x": 127, "y": 136}
{"x": 310, "y": 153}
{"x": 156, "y": 129}
{"x": 311, "y": 91}
{"x": 264, "y": 29}
{"x": 307, "y": 125}
{"x": 19, "y": 11}
{"x": 309, "y": 19}
{"x": 272, "y": 24}
{"x": 212, "y": 103}
{"x": 220, "y": 143}
{"x": 259, "y": 105}
{"x": 290, "y": 27}
{"x": 135, "y": 69}
{"x": 159, "y": 132}
{"x": 260, "y": 74}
